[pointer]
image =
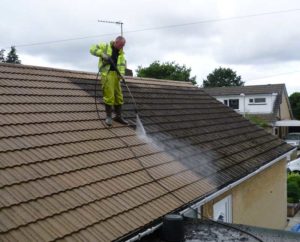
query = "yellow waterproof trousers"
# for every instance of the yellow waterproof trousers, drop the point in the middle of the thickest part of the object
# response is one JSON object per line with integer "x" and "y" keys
{"x": 111, "y": 88}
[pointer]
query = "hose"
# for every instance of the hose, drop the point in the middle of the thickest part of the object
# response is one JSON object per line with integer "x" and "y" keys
{"x": 124, "y": 82}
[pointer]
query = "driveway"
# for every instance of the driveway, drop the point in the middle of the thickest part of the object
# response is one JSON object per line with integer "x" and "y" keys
{"x": 293, "y": 220}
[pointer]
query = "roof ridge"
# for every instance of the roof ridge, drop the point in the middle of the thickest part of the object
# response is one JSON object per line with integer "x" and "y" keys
{"x": 24, "y": 66}
{"x": 164, "y": 81}
{"x": 247, "y": 86}
{"x": 128, "y": 78}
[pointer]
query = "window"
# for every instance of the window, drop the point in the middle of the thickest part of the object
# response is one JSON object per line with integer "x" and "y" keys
{"x": 234, "y": 103}
{"x": 276, "y": 131}
{"x": 260, "y": 100}
{"x": 223, "y": 210}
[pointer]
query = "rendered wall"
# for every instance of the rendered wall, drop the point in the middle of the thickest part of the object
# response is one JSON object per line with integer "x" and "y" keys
{"x": 260, "y": 201}
{"x": 284, "y": 109}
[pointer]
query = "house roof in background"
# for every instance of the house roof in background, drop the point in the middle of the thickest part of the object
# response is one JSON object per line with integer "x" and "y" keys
{"x": 64, "y": 175}
{"x": 247, "y": 90}
{"x": 278, "y": 89}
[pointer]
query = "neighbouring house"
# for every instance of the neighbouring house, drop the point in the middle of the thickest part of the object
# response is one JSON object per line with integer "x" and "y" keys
{"x": 65, "y": 176}
{"x": 269, "y": 103}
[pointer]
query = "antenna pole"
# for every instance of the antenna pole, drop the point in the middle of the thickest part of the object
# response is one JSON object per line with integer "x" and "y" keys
{"x": 113, "y": 22}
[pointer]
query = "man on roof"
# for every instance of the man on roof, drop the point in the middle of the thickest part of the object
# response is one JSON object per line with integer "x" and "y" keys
{"x": 111, "y": 56}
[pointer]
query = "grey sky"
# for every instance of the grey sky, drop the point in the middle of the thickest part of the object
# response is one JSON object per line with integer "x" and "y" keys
{"x": 226, "y": 33}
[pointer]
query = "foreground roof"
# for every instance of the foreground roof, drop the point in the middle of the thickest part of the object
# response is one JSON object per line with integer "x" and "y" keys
{"x": 65, "y": 176}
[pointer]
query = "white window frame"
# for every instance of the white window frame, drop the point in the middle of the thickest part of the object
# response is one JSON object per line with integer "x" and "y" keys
{"x": 222, "y": 210}
{"x": 228, "y": 101}
{"x": 256, "y": 101}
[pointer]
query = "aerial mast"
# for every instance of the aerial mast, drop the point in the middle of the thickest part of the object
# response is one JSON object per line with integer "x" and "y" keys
{"x": 113, "y": 22}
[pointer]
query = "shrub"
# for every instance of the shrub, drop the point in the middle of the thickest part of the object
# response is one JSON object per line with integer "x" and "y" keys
{"x": 293, "y": 187}
{"x": 294, "y": 177}
{"x": 293, "y": 192}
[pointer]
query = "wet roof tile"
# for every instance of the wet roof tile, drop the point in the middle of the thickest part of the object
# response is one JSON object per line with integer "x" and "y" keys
{"x": 64, "y": 175}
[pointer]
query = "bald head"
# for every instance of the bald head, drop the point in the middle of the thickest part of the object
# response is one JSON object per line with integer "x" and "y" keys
{"x": 119, "y": 42}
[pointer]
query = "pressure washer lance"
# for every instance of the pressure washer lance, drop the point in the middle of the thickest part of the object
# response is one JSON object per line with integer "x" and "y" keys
{"x": 123, "y": 80}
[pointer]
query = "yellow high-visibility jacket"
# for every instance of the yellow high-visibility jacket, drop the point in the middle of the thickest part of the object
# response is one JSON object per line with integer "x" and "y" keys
{"x": 106, "y": 48}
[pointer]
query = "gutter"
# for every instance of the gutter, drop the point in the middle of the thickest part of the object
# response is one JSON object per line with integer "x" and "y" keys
{"x": 144, "y": 233}
{"x": 216, "y": 194}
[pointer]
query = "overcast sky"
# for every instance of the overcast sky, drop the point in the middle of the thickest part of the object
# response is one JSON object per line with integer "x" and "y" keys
{"x": 260, "y": 40}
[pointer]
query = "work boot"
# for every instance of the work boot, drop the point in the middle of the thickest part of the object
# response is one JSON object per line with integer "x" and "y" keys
{"x": 119, "y": 118}
{"x": 108, "y": 110}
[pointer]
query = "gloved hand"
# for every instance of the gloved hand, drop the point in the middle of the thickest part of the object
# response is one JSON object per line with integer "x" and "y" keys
{"x": 105, "y": 57}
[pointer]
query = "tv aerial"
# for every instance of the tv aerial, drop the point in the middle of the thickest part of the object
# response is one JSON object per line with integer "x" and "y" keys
{"x": 113, "y": 22}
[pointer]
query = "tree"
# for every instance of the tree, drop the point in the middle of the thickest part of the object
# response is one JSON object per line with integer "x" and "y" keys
{"x": 221, "y": 77}
{"x": 167, "y": 70}
{"x": 12, "y": 56}
{"x": 295, "y": 104}
{"x": 2, "y": 58}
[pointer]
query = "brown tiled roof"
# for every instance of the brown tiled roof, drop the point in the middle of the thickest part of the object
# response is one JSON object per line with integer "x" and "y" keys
{"x": 65, "y": 176}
